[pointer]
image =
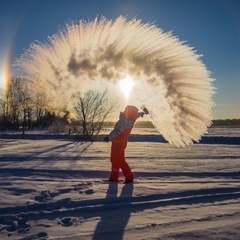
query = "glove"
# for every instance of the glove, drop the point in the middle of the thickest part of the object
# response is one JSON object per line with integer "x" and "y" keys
{"x": 141, "y": 114}
{"x": 106, "y": 139}
{"x": 145, "y": 111}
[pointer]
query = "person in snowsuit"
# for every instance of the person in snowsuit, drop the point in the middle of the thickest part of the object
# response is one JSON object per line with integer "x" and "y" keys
{"x": 119, "y": 137}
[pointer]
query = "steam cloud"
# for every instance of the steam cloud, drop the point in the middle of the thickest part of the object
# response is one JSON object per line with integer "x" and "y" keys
{"x": 171, "y": 80}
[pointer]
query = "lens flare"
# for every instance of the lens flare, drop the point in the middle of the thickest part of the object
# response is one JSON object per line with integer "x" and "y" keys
{"x": 171, "y": 80}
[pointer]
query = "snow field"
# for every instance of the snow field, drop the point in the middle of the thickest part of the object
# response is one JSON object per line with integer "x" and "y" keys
{"x": 53, "y": 189}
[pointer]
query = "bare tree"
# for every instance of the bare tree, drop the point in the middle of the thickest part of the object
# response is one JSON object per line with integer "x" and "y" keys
{"x": 3, "y": 110}
{"x": 13, "y": 100}
{"x": 25, "y": 97}
{"x": 20, "y": 103}
{"x": 92, "y": 109}
{"x": 40, "y": 107}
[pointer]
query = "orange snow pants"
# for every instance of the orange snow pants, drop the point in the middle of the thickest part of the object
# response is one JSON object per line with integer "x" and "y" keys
{"x": 118, "y": 161}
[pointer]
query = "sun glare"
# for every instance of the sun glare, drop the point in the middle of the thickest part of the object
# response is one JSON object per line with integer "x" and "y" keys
{"x": 126, "y": 85}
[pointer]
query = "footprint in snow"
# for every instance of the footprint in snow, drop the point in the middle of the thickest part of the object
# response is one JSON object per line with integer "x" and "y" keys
{"x": 89, "y": 191}
{"x": 45, "y": 195}
{"x": 19, "y": 225}
{"x": 69, "y": 221}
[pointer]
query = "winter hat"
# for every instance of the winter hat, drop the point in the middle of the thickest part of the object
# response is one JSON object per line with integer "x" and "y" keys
{"x": 130, "y": 112}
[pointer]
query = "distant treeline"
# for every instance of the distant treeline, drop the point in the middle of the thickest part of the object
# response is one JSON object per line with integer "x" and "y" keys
{"x": 226, "y": 122}
{"x": 216, "y": 123}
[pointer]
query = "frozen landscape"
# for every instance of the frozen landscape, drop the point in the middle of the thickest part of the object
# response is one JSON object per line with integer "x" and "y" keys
{"x": 52, "y": 188}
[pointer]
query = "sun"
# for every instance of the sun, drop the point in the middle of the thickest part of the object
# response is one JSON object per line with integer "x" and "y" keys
{"x": 126, "y": 85}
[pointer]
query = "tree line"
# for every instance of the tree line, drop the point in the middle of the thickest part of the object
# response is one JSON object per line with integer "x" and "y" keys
{"x": 226, "y": 122}
{"x": 22, "y": 108}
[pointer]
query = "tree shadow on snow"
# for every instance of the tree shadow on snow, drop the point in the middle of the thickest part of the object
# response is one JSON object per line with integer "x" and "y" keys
{"x": 114, "y": 221}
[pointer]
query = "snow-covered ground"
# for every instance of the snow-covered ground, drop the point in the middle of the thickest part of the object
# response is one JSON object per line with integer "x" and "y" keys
{"x": 51, "y": 188}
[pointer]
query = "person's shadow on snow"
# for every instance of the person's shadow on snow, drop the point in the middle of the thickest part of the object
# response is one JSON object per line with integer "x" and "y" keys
{"x": 114, "y": 220}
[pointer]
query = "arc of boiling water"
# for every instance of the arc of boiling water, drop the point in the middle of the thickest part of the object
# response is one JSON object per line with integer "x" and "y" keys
{"x": 173, "y": 82}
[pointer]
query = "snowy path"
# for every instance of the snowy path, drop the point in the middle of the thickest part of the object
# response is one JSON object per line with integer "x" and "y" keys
{"x": 52, "y": 189}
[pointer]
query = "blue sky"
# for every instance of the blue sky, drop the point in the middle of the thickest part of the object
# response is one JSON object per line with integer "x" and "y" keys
{"x": 212, "y": 27}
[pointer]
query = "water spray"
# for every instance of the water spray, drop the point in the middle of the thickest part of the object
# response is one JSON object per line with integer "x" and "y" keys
{"x": 169, "y": 76}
